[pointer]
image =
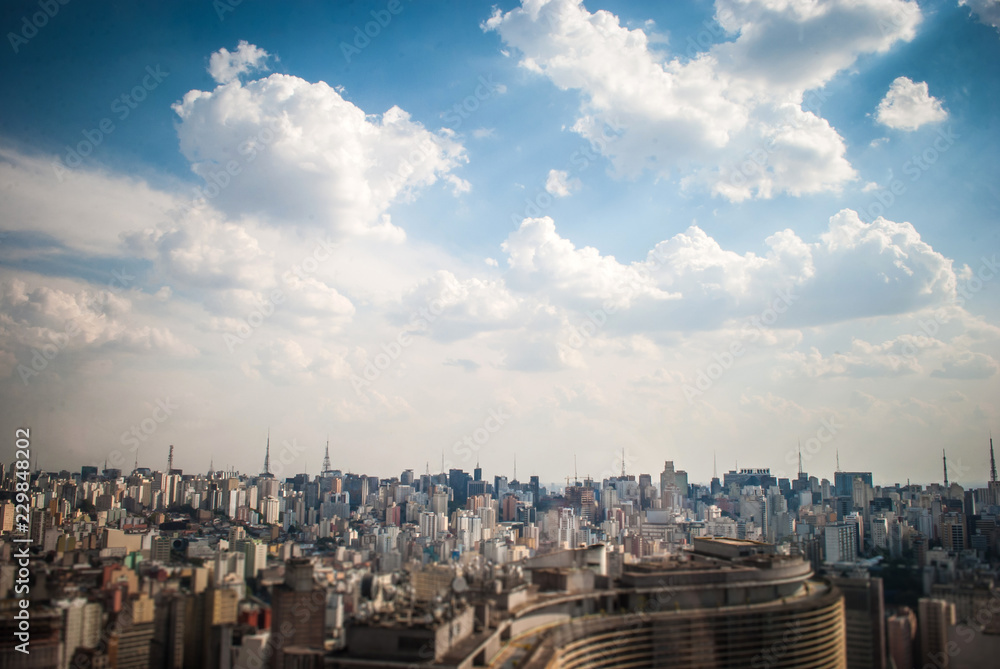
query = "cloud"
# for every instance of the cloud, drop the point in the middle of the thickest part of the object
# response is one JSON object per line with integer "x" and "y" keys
{"x": 299, "y": 154}
{"x": 908, "y": 105}
{"x": 871, "y": 269}
{"x": 284, "y": 360}
{"x": 52, "y": 320}
{"x": 967, "y": 365}
{"x": 863, "y": 360}
{"x": 463, "y": 363}
{"x": 83, "y": 209}
{"x": 450, "y": 309}
{"x": 690, "y": 282}
{"x": 988, "y": 11}
{"x": 559, "y": 184}
{"x": 226, "y": 67}
{"x": 703, "y": 115}
{"x": 203, "y": 252}
{"x": 540, "y": 260}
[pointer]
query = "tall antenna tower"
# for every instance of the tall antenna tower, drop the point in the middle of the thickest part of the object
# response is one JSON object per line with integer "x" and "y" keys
{"x": 993, "y": 462}
{"x": 623, "y": 463}
{"x": 326, "y": 458}
{"x": 944, "y": 460}
{"x": 715, "y": 466}
{"x": 800, "y": 458}
{"x": 170, "y": 459}
{"x": 515, "y": 466}
{"x": 267, "y": 455}
{"x": 838, "y": 459}
{"x": 576, "y": 475}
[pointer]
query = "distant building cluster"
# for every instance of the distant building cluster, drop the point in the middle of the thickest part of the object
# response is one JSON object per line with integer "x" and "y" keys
{"x": 227, "y": 570}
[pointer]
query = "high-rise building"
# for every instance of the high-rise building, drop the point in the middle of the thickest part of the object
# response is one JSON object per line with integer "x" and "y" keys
{"x": 439, "y": 502}
{"x": 843, "y": 482}
{"x": 567, "y": 529}
{"x": 760, "y": 476}
{"x": 255, "y": 556}
{"x": 270, "y": 510}
{"x": 81, "y": 625}
{"x": 476, "y": 488}
{"x": 880, "y": 532}
{"x": 864, "y": 609}
{"x": 458, "y": 481}
{"x": 840, "y": 542}
{"x": 935, "y": 617}
{"x": 160, "y": 549}
{"x": 45, "y": 649}
{"x": 701, "y": 618}
{"x": 429, "y": 524}
{"x": 901, "y": 633}
{"x": 668, "y": 477}
{"x": 298, "y": 607}
{"x": 7, "y": 513}
{"x": 953, "y": 532}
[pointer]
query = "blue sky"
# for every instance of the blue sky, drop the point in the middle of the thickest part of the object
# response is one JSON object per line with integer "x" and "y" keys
{"x": 601, "y": 201}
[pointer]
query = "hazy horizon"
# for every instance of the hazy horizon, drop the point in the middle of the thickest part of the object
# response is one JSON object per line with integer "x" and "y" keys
{"x": 545, "y": 229}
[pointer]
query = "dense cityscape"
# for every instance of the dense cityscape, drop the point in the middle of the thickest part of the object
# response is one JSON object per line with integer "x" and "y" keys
{"x": 162, "y": 568}
{"x": 508, "y": 334}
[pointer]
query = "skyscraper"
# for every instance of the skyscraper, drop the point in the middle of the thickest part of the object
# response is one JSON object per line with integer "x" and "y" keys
{"x": 864, "y": 616}
{"x": 298, "y": 607}
{"x": 841, "y": 542}
{"x": 936, "y": 616}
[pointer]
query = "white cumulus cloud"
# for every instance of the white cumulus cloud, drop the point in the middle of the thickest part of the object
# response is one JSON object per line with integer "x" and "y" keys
{"x": 558, "y": 183}
{"x": 300, "y": 153}
{"x": 702, "y": 116}
{"x": 908, "y": 105}
{"x": 226, "y": 66}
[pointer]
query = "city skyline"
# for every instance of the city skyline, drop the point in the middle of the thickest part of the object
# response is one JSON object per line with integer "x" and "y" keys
{"x": 542, "y": 229}
{"x": 961, "y": 474}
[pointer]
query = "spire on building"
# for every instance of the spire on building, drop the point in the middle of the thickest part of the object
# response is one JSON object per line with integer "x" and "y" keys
{"x": 944, "y": 460}
{"x": 267, "y": 457}
{"x": 136, "y": 467}
{"x": 170, "y": 459}
{"x": 993, "y": 462}
{"x": 838, "y": 459}
{"x": 800, "y": 458}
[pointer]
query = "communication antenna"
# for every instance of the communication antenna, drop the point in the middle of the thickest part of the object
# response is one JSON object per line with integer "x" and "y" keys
{"x": 993, "y": 462}
{"x": 267, "y": 454}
